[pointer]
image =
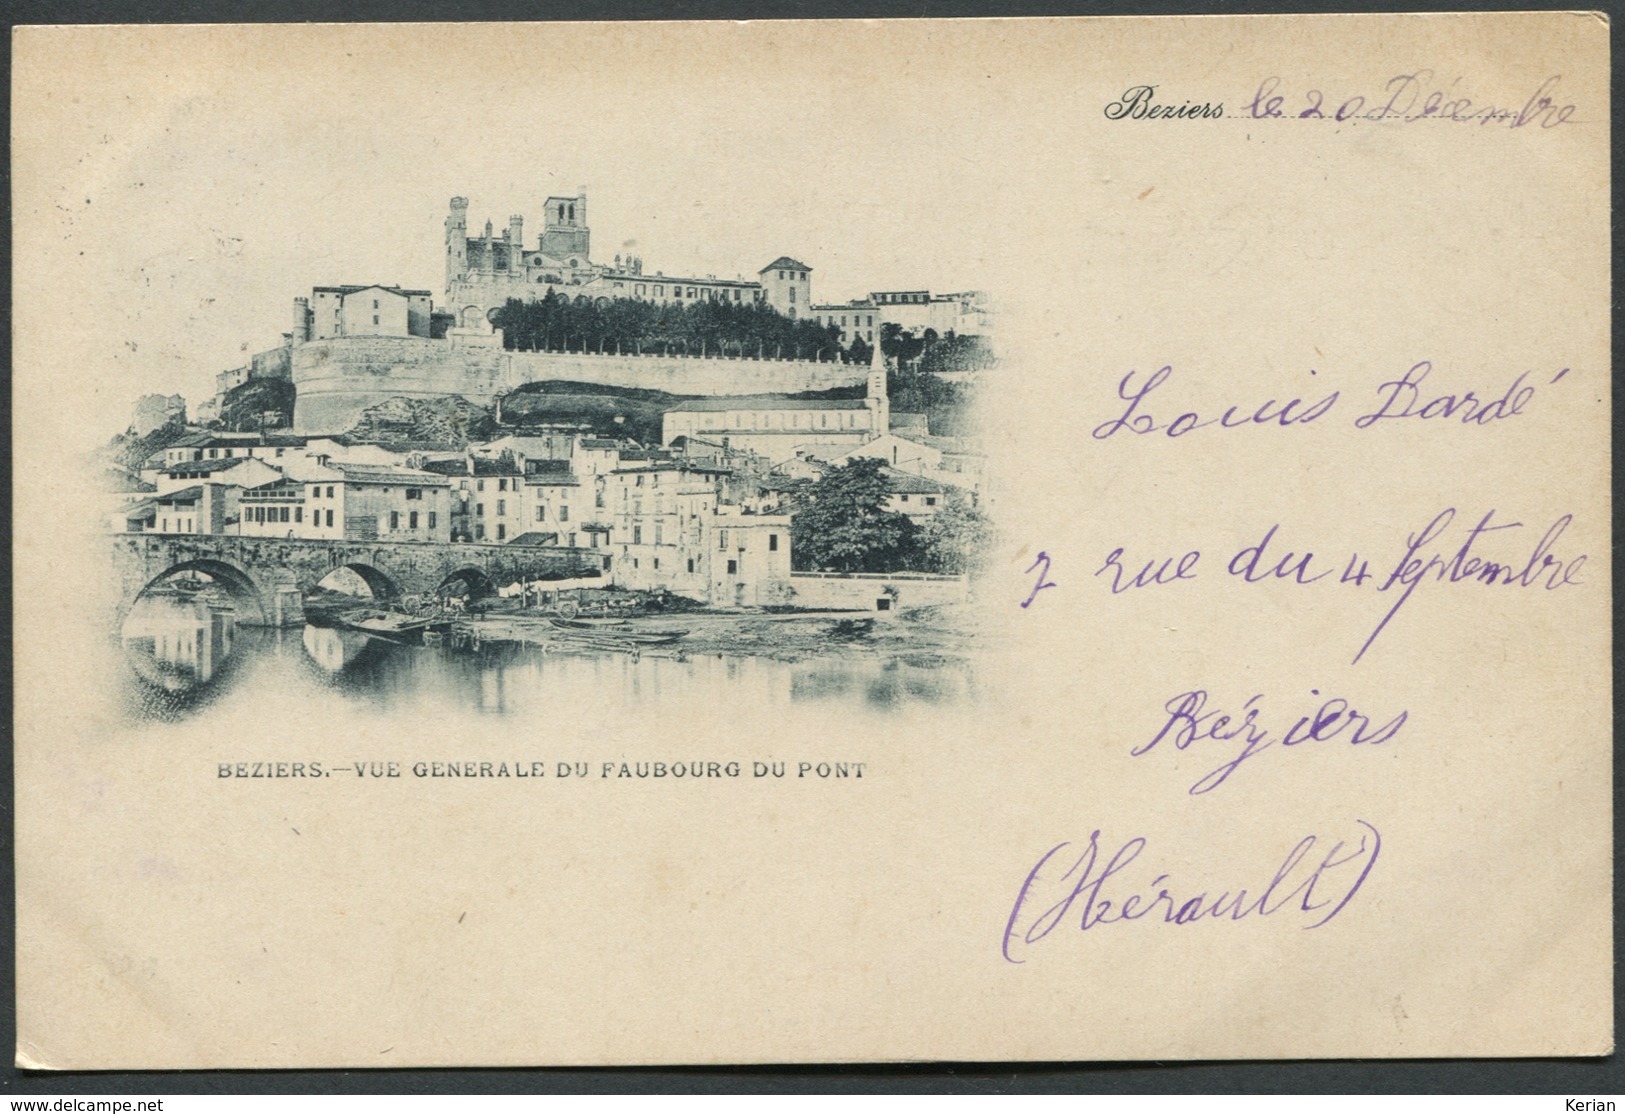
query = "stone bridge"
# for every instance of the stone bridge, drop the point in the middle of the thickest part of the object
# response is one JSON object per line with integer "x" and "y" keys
{"x": 268, "y": 578}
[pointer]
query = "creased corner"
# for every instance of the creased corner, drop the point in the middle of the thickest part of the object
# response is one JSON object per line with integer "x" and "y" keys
{"x": 31, "y": 1058}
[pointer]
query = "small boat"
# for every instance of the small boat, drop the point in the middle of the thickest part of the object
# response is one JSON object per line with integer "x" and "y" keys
{"x": 589, "y": 624}
{"x": 618, "y": 637}
{"x": 384, "y": 624}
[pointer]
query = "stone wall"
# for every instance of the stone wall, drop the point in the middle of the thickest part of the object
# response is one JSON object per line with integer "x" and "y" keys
{"x": 338, "y": 379}
{"x": 685, "y": 375}
{"x": 862, "y": 591}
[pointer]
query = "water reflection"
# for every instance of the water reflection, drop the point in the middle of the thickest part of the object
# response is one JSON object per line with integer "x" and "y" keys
{"x": 187, "y": 652}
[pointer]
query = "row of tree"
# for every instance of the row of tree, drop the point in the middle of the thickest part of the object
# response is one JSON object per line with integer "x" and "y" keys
{"x": 927, "y": 353}
{"x": 751, "y": 329}
{"x": 840, "y": 523}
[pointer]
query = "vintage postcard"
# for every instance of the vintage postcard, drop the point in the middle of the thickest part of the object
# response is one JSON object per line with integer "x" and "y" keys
{"x": 772, "y": 542}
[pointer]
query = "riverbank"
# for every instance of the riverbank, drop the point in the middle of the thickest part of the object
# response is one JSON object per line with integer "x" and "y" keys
{"x": 926, "y": 637}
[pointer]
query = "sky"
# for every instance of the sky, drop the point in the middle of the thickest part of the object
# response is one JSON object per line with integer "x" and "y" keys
{"x": 190, "y": 182}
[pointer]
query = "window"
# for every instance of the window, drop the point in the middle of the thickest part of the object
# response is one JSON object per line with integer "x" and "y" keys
{"x": 637, "y": 535}
{"x": 299, "y": 514}
{"x": 691, "y": 564}
{"x": 722, "y": 540}
{"x": 905, "y": 498}
{"x": 541, "y": 513}
{"x": 330, "y": 514}
{"x": 571, "y": 541}
{"x": 330, "y": 518}
{"x": 282, "y": 514}
{"x": 772, "y": 543}
{"x": 479, "y": 485}
{"x": 502, "y": 485}
{"x": 564, "y": 514}
{"x": 431, "y": 520}
{"x": 502, "y": 508}
{"x": 502, "y": 531}
{"x": 930, "y": 500}
{"x": 412, "y": 521}
{"x": 659, "y": 538}
{"x": 394, "y": 520}
{"x": 781, "y": 276}
{"x": 479, "y": 510}
{"x": 479, "y": 531}
{"x": 375, "y": 319}
{"x": 414, "y": 493}
{"x": 733, "y": 567}
{"x": 657, "y": 563}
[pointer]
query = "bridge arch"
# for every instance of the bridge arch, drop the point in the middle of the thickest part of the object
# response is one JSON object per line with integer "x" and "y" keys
{"x": 476, "y": 579}
{"x": 238, "y": 583}
{"x": 378, "y": 582}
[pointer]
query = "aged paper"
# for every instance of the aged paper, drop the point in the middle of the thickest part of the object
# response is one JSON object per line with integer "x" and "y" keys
{"x": 1261, "y": 369}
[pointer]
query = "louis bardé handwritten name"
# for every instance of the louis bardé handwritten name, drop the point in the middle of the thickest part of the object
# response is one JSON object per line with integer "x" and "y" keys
{"x": 1406, "y": 397}
{"x": 1314, "y": 883}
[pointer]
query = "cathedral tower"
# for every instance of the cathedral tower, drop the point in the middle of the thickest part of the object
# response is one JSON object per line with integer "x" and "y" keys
{"x": 565, "y": 235}
{"x": 456, "y": 240}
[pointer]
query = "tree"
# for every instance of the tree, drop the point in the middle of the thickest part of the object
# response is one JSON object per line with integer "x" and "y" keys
{"x": 840, "y": 523}
{"x": 957, "y": 539}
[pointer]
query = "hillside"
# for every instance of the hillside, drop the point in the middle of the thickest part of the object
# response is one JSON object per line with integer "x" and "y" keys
{"x": 444, "y": 421}
{"x": 257, "y": 405}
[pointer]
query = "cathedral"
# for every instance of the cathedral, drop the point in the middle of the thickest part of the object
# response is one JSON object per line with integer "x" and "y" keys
{"x": 483, "y": 272}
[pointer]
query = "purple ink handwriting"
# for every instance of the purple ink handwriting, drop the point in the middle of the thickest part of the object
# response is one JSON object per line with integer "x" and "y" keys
{"x": 1190, "y": 722}
{"x": 1402, "y": 398}
{"x": 1398, "y": 398}
{"x": 1407, "y": 98}
{"x": 1043, "y": 580}
{"x": 1136, "y": 420}
{"x": 1485, "y": 555}
{"x": 1071, "y": 887}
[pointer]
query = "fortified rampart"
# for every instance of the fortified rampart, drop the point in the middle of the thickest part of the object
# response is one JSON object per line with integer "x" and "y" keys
{"x": 687, "y": 375}
{"x": 338, "y": 379}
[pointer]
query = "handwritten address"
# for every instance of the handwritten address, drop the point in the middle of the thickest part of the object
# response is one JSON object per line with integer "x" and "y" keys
{"x": 1313, "y": 883}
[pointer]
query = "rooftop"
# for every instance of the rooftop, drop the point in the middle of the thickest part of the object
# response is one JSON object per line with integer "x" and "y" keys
{"x": 370, "y": 286}
{"x": 471, "y": 466}
{"x": 203, "y": 467}
{"x": 767, "y": 402}
{"x": 184, "y": 495}
{"x": 377, "y": 473}
{"x": 787, "y": 263}
{"x": 905, "y": 483}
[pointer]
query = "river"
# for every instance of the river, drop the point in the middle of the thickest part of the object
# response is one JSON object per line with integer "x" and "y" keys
{"x": 186, "y": 655}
